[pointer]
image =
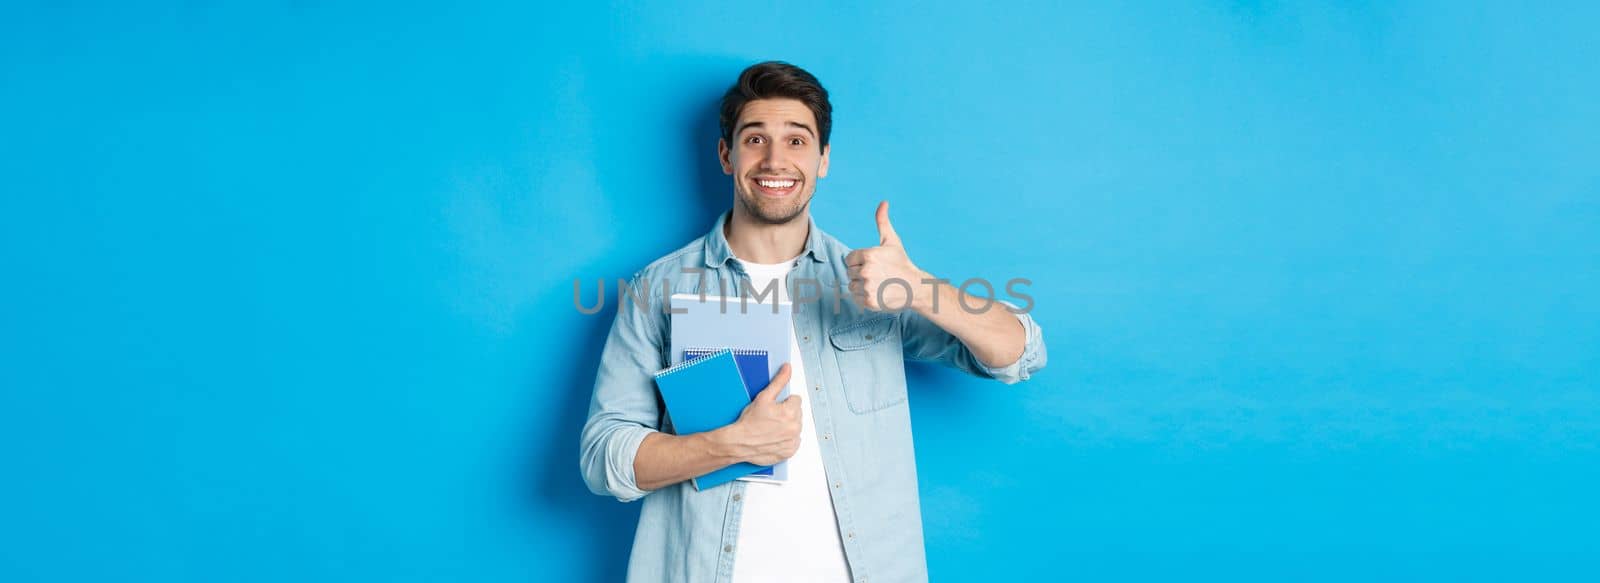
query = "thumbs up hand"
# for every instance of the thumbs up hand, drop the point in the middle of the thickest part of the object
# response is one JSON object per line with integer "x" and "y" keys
{"x": 883, "y": 278}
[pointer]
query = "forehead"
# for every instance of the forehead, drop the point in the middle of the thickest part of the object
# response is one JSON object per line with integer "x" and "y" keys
{"x": 777, "y": 113}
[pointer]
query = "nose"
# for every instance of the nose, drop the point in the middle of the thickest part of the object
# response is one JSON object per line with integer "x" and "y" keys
{"x": 772, "y": 158}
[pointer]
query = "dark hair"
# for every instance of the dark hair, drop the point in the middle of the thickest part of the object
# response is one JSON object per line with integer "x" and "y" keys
{"x": 777, "y": 79}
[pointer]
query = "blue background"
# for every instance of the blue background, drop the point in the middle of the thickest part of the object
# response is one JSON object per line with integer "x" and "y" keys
{"x": 288, "y": 287}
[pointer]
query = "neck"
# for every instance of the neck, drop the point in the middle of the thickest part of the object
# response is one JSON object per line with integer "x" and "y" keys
{"x": 758, "y": 242}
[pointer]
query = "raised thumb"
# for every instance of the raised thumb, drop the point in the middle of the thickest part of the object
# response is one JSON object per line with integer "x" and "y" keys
{"x": 886, "y": 234}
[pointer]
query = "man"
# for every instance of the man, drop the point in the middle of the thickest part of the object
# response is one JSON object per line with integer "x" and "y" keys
{"x": 849, "y": 509}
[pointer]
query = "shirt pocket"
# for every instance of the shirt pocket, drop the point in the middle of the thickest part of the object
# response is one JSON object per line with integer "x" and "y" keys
{"x": 870, "y": 363}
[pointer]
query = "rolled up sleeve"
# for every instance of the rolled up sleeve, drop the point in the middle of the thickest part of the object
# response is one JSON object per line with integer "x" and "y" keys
{"x": 924, "y": 340}
{"x": 1032, "y": 359}
{"x": 608, "y": 462}
{"x": 624, "y": 407}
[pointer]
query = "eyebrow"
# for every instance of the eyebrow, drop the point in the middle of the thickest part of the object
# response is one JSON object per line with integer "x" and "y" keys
{"x": 757, "y": 124}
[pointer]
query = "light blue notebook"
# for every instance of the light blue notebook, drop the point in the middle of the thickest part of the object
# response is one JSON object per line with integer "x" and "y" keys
{"x": 726, "y": 321}
{"x": 702, "y": 395}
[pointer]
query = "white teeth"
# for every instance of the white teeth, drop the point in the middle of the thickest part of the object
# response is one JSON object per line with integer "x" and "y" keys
{"x": 776, "y": 183}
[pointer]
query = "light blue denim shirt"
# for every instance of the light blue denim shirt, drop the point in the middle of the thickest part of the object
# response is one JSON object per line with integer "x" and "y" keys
{"x": 854, "y": 360}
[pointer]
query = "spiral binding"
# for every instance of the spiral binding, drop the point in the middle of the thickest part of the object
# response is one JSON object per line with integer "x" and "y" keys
{"x": 712, "y": 351}
{"x": 688, "y": 363}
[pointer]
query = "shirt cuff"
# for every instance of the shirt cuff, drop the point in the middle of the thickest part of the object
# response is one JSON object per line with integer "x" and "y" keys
{"x": 621, "y": 450}
{"x": 1023, "y": 368}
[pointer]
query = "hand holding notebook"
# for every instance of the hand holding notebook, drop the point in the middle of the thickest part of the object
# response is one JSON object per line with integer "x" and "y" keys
{"x": 709, "y": 393}
{"x": 770, "y": 426}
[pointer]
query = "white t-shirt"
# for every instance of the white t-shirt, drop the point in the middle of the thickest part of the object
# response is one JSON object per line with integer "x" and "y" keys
{"x": 788, "y": 531}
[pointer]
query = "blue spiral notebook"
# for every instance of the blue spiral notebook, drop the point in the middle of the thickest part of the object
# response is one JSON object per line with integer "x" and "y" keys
{"x": 702, "y": 395}
{"x": 753, "y": 369}
{"x": 717, "y": 321}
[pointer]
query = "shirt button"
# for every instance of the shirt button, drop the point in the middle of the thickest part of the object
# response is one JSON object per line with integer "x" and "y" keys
{"x": 837, "y": 485}
{"x": 727, "y": 549}
{"x": 851, "y": 534}
{"x": 869, "y": 337}
{"x": 736, "y": 497}
{"x": 824, "y": 436}
{"x": 819, "y": 387}
{"x": 806, "y": 338}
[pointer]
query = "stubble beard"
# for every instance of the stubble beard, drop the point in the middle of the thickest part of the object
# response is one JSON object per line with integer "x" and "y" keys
{"x": 773, "y": 212}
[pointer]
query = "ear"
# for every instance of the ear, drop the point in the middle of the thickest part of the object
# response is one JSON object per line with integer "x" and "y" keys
{"x": 822, "y": 169}
{"x": 722, "y": 156}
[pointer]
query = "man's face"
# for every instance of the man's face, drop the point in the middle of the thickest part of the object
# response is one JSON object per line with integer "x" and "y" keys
{"x": 774, "y": 159}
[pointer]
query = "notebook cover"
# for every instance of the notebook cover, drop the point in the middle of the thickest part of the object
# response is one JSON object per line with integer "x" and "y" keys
{"x": 712, "y": 320}
{"x": 703, "y": 395}
{"x": 752, "y": 366}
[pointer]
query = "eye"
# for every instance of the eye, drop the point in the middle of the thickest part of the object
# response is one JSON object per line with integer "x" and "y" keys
{"x": 753, "y": 140}
{"x": 797, "y": 141}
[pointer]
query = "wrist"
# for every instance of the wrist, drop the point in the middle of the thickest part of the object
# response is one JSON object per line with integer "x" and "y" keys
{"x": 723, "y": 444}
{"x": 930, "y": 287}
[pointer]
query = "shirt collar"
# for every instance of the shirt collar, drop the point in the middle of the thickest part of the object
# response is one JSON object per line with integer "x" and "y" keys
{"x": 718, "y": 253}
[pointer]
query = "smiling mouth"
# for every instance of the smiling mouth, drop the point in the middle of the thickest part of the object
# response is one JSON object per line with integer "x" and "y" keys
{"x": 776, "y": 187}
